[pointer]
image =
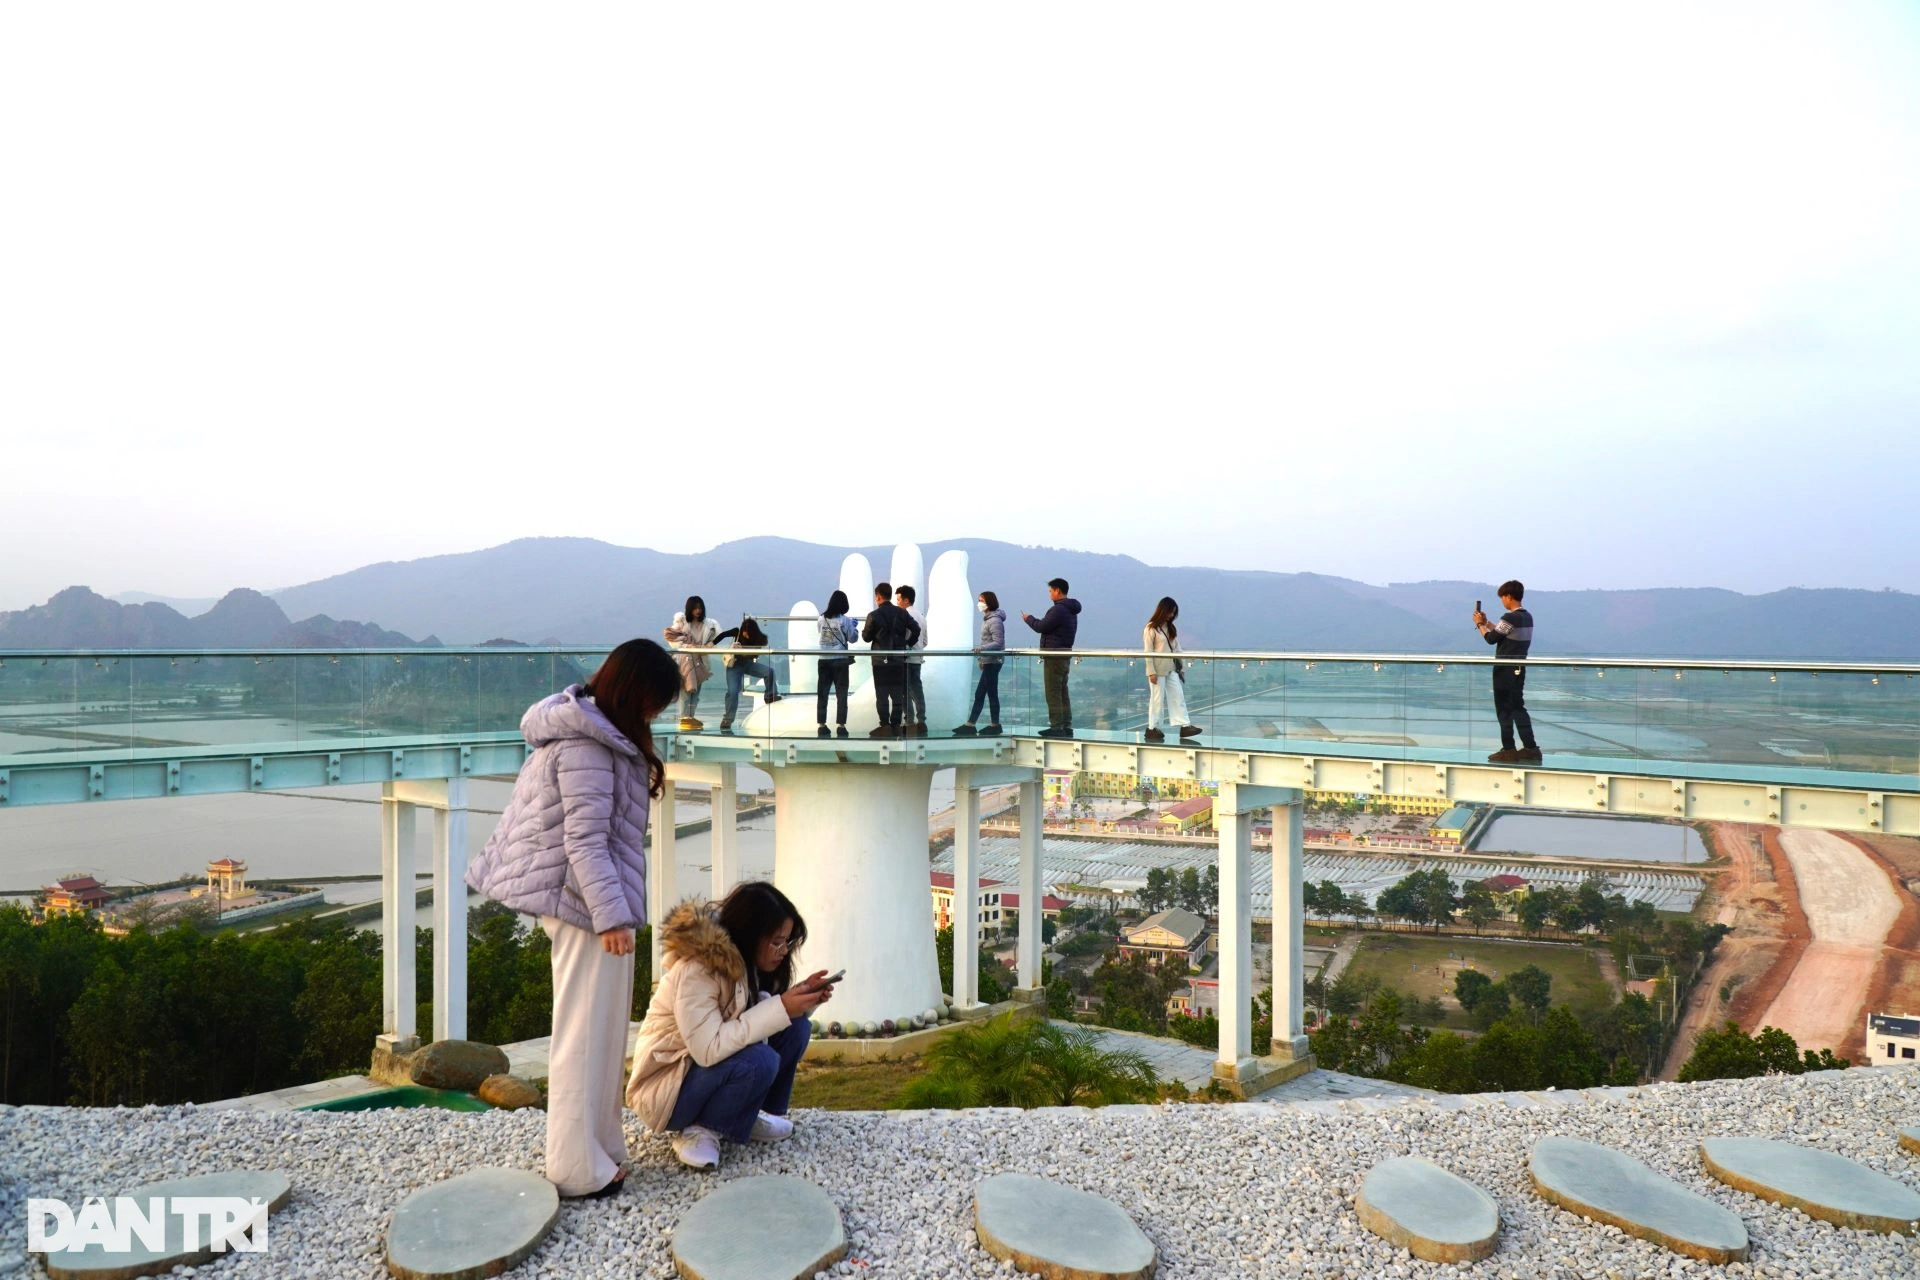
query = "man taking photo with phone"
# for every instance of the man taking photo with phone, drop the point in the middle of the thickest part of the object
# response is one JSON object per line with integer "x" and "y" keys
{"x": 1510, "y": 637}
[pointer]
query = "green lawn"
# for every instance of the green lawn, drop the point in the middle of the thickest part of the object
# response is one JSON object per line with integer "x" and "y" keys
{"x": 1424, "y": 967}
{"x": 853, "y": 1086}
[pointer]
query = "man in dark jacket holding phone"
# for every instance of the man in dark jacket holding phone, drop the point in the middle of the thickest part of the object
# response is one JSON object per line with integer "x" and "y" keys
{"x": 1057, "y": 630}
{"x": 889, "y": 629}
{"x": 1511, "y": 637}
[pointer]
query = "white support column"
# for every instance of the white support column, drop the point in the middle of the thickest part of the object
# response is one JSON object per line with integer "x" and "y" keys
{"x": 663, "y": 872}
{"x": 1032, "y": 908}
{"x": 725, "y": 846}
{"x": 1235, "y": 828}
{"x": 397, "y": 886}
{"x": 966, "y": 890}
{"x": 450, "y": 914}
{"x": 1289, "y": 932}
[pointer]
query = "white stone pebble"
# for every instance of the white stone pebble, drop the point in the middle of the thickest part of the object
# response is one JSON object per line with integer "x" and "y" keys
{"x": 1246, "y": 1191}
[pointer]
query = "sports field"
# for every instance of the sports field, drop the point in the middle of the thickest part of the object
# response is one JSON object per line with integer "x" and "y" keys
{"x": 1424, "y": 967}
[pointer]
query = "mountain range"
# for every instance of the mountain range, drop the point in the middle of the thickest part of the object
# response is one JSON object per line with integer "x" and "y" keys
{"x": 582, "y": 591}
{"x": 79, "y": 618}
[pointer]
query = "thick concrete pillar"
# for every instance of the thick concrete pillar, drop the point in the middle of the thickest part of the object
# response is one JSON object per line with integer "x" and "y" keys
{"x": 1235, "y": 828}
{"x": 1032, "y": 908}
{"x": 850, "y": 849}
{"x": 450, "y": 914}
{"x": 398, "y": 1000}
{"x": 663, "y": 890}
{"x": 725, "y": 844}
{"x": 966, "y": 890}
{"x": 1289, "y": 932}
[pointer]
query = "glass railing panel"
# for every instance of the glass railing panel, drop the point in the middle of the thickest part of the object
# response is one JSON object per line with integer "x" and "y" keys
{"x": 39, "y": 710}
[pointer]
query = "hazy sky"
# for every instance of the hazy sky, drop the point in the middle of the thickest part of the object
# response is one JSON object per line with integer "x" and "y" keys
{"x": 1594, "y": 295}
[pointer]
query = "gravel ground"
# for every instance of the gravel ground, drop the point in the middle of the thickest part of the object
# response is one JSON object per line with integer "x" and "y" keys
{"x": 1224, "y": 1191}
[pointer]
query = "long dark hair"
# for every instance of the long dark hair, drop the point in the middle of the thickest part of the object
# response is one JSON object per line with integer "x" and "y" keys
{"x": 837, "y": 605}
{"x": 755, "y": 910}
{"x": 751, "y": 634}
{"x": 695, "y": 605}
{"x": 992, "y": 600}
{"x": 632, "y": 686}
{"x": 1163, "y": 615}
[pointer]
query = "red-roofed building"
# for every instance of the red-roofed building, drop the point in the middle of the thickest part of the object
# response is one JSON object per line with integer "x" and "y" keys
{"x": 990, "y": 901}
{"x": 1507, "y": 890}
{"x": 1187, "y": 815}
{"x": 74, "y": 895}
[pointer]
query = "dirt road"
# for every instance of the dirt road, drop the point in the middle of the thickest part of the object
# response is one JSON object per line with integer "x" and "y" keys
{"x": 1850, "y": 906}
{"x": 1745, "y": 896}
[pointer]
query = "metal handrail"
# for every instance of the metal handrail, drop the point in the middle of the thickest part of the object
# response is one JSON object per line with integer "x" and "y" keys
{"x": 1906, "y": 669}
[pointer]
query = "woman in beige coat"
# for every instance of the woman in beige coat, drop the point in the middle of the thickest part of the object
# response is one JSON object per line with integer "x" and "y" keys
{"x": 722, "y": 1037}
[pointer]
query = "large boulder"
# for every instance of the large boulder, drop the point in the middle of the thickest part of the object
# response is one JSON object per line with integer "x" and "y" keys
{"x": 456, "y": 1064}
{"x": 509, "y": 1093}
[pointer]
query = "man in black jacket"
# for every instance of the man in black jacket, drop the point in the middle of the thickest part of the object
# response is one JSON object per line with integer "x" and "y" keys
{"x": 889, "y": 629}
{"x": 1057, "y": 630}
{"x": 1511, "y": 637}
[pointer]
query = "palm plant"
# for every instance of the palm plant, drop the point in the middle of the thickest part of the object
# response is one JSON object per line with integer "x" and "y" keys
{"x": 1009, "y": 1062}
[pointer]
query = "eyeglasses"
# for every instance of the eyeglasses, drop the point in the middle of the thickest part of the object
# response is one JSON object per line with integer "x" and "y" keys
{"x": 781, "y": 944}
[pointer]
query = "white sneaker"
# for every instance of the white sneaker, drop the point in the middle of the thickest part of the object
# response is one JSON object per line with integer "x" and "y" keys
{"x": 697, "y": 1148}
{"x": 768, "y": 1128}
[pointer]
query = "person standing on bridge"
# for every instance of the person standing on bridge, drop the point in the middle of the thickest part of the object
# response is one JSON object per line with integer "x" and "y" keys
{"x": 916, "y": 691}
{"x": 1057, "y": 630}
{"x": 993, "y": 642}
{"x": 889, "y": 630}
{"x": 692, "y": 628}
{"x": 1166, "y": 674}
{"x": 1511, "y": 637}
{"x": 838, "y": 633}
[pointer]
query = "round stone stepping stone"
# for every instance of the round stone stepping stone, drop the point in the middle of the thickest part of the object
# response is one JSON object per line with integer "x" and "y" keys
{"x": 765, "y": 1228}
{"x": 1818, "y": 1183}
{"x": 1600, "y": 1183}
{"x": 1429, "y": 1212}
{"x": 1910, "y": 1138}
{"x": 97, "y": 1263}
{"x": 1046, "y": 1229}
{"x": 471, "y": 1226}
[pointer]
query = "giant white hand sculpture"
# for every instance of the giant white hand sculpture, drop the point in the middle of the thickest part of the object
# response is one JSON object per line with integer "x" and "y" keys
{"x": 945, "y": 599}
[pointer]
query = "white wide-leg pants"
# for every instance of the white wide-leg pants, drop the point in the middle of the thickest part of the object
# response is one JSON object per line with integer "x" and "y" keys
{"x": 592, "y": 1003}
{"x": 1167, "y": 703}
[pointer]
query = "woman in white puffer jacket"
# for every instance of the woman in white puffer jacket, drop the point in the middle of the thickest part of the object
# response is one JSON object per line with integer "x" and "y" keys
{"x": 1166, "y": 674}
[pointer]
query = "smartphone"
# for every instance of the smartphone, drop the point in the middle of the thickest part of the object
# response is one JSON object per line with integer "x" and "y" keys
{"x": 835, "y": 978}
{"x": 1477, "y": 608}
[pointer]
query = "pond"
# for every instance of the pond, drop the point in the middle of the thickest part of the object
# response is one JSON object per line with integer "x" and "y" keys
{"x": 1580, "y": 835}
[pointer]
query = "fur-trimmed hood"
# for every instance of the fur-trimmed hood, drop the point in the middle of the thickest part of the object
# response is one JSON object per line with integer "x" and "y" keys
{"x": 692, "y": 932}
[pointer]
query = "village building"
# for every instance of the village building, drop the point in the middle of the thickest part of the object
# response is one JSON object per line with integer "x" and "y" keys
{"x": 1165, "y": 934}
{"x": 1892, "y": 1040}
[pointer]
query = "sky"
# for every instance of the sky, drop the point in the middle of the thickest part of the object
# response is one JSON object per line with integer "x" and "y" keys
{"x": 1395, "y": 292}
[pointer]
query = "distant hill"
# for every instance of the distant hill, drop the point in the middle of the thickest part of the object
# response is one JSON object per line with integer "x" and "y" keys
{"x": 78, "y": 618}
{"x": 584, "y": 591}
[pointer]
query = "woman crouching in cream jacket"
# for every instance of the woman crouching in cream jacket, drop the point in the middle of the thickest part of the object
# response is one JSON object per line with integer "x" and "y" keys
{"x": 718, "y": 1048}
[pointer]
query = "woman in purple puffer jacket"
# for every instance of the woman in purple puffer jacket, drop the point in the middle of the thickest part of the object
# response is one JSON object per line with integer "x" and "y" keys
{"x": 571, "y": 849}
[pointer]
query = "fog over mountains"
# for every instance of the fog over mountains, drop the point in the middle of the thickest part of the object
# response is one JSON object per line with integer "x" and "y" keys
{"x": 578, "y": 590}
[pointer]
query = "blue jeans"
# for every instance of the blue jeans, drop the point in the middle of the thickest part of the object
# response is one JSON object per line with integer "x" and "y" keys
{"x": 987, "y": 692}
{"x": 737, "y": 674}
{"x": 729, "y": 1095}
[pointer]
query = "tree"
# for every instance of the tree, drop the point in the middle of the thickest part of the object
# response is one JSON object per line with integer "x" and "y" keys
{"x": 1191, "y": 895}
{"x": 1478, "y": 905}
{"x": 1157, "y": 893}
{"x": 1493, "y": 1006}
{"x": 1591, "y": 900}
{"x": 993, "y": 976}
{"x": 1028, "y": 1063}
{"x": 1468, "y": 986}
{"x": 1534, "y": 910}
{"x": 1731, "y": 1054}
{"x": 1532, "y": 989}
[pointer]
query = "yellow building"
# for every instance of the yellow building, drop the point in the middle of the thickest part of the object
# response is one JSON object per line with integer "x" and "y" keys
{"x": 1122, "y": 786}
{"x": 1451, "y": 826}
{"x": 1187, "y": 815}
